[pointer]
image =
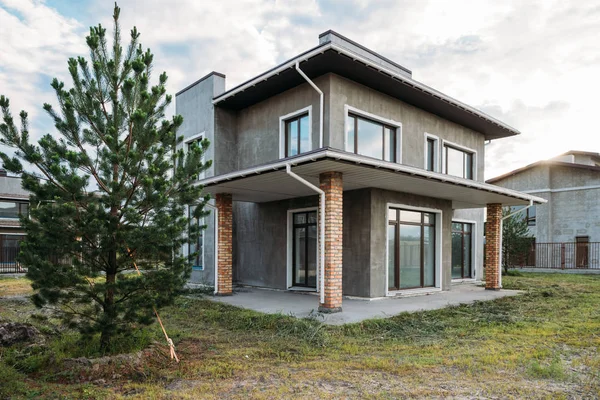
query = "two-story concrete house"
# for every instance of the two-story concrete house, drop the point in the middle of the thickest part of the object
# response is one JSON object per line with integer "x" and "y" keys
{"x": 567, "y": 228}
{"x": 340, "y": 146}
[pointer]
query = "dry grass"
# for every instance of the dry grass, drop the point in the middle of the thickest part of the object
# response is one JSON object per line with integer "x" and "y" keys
{"x": 14, "y": 286}
{"x": 543, "y": 344}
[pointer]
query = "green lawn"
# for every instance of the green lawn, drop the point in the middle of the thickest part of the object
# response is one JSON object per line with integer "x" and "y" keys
{"x": 542, "y": 344}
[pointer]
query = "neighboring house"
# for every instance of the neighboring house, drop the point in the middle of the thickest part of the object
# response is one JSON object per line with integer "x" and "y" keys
{"x": 14, "y": 201}
{"x": 399, "y": 165}
{"x": 571, "y": 184}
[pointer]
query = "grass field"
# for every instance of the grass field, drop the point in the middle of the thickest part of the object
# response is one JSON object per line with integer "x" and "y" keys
{"x": 542, "y": 344}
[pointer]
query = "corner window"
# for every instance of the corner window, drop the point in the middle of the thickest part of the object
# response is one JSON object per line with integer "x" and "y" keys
{"x": 371, "y": 138}
{"x": 13, "y": 209}
{"x": 458, "y": 162}
{"x": 297, "y": 135}
{"x": 431, "y": 153}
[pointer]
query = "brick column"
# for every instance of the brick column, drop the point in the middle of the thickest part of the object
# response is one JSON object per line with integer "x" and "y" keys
{"x": 493, "y": 246}
{"x": 331, "y": 183}
{"x": 224, "y": 273}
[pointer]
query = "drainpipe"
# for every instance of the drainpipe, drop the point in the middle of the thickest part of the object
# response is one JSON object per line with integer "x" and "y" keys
{"x": 501, "y": 230}
{"x": 288, "y": 169}
{"x": 320, "y": 106}
{"x": 216, "y": 257}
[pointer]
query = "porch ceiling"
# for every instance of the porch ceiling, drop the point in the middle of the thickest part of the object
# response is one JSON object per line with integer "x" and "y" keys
{"x": 270, "y": 182}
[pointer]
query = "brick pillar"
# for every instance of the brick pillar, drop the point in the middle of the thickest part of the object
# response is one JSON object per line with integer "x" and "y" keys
{"x": 224, "y": 273}
{"x": 331, "y": 183}
{"x": 493, "y": 246}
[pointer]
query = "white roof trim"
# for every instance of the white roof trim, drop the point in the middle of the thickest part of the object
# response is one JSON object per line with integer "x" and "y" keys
{"x": 357, "y": 159}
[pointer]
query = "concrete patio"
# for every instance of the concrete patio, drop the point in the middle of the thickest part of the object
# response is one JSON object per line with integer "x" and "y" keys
{"x": 302, "y": 305}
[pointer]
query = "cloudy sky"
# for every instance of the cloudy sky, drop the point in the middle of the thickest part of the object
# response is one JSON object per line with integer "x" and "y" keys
{"x": 534, "y": 65}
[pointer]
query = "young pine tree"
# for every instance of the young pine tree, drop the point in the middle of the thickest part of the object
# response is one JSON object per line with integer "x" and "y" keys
{"x": 110, "y": 188}
{"x": 516, "y": 238}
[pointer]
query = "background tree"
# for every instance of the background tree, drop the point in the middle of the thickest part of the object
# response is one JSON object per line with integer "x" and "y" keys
{"x": 111, "y": 187}
{"x": 516, "y": 239}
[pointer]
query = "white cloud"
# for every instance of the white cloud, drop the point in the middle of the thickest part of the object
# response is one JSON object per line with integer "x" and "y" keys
{"x": 532, "y": 64}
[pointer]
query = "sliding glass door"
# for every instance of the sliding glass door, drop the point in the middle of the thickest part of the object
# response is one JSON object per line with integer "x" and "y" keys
{"x": 411, "y": 249}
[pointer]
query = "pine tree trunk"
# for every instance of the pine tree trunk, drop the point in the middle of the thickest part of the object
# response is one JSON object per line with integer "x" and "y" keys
{"x": 109, "y": 303}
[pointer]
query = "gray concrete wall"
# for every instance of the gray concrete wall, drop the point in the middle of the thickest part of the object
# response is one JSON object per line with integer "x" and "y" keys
{"x": 379, "y": 222}
{"x": 356, "y": 274}
{"x": 195, "y": 105}
{"x": 260, "y": 242}
{"x": 568, "y": 213}
{"x": 415, "y": 122}
{"x": 260, "y": 234}
{"x": 258, "y": 126}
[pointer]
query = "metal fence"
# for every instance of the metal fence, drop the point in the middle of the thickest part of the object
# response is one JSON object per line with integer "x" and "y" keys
{"x": 567, "y": 255}
{"x": 8, "y": 260}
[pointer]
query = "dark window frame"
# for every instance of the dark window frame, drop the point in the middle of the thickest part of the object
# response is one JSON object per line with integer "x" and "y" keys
{"x": 392, "y": 128}
{"x": 305, "y": 225}
{"x": 430, "y": 154}
{"x": 464, "y": 232}
{"x": 199, "y": 244}
{"x": 466, "y": 153}
{"x": 397, "y": 222}
{"x": 286, "y": 124}
{"x": 21, "y": 207}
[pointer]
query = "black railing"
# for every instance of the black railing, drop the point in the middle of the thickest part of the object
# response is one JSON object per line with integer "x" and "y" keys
{"x": 567, "y": 255}
{"x": 8, "y": 260}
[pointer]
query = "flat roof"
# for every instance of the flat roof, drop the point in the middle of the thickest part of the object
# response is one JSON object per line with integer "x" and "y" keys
{"x": 329, "y": 57}
{"x": 270, "y": 182}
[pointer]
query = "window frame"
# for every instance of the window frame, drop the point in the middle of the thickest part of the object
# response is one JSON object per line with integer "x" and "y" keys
{"x": 464, "y": 149}
{"x": 389, "y": 123}
{"x": 20, "y": 205}
{"x": 283, "y": 119}
{"x": 186, "y": 143}
{"x": 199, "y": 221}
{"x": 437, "y": 248}
{"x": 436, "y": 152}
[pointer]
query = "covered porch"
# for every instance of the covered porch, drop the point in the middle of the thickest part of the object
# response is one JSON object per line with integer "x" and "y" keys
{"x": 355, "y": 310}
{"x": 328, "y": 174}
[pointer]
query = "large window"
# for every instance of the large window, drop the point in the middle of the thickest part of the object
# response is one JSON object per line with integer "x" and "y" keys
{"x": 371, "y": 138}
{"x": 411, "y": 249}
{"x": 196, "y": 246}
{"x": 459, "y": 162}
{"x": 12, "y": 209}
{"x": 297, "y": 135}
{"x": 462, "y": 243}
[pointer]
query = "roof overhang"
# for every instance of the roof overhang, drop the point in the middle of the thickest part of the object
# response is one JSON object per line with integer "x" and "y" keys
{"x": 329, "y": 57}
{"x": 270, "y": 182}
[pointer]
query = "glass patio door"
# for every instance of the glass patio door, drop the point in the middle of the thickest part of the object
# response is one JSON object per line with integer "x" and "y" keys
{"x": 304, "y": 249}
{"x": 461, "y": 250}
{"x": 411, "y": 249}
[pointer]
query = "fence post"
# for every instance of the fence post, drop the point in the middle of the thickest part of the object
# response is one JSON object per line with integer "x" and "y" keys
{"x": 562, "y": 256}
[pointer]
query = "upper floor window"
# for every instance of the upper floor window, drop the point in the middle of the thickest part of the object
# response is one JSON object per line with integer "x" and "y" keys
{"x": 12, "y": 209}
{"x": 459, "y": 162}
{"x": 297, "y": 135}
{"x": 192, "y": 142}
{"x": 431, "y": 153}
{"x": 371, "y": 138}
